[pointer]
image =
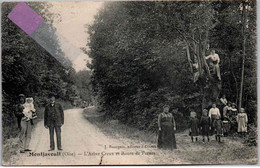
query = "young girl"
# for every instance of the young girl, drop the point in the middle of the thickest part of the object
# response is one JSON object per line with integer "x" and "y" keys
{"x": 233, "y": 110}
{"x": 205, "y": 124}
{"x": 233, "y": 118}
{"x": 194, "y": 126}
{"x": 218, "y": 125}
{"x": 242, "y": 122}
{"x": 29, "y": 110}
{"x": 226, "y": 126}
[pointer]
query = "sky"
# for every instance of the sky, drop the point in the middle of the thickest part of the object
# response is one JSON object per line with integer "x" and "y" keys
{"x": 71, "y": 26}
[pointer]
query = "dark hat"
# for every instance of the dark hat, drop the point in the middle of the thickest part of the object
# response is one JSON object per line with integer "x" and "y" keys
{"x": 21, "y": 95}
{"x": 51, "y": 95}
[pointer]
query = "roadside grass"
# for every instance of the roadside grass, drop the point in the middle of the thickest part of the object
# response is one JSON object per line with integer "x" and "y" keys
{"x": 230, "y": 151}
{"x": 11, "y": 146}
{"x": 118, "y": 130}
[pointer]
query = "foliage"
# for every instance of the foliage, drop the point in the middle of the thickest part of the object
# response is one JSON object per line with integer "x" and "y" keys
{"x": 82, "y": 82}
{"x": 27, "y": 68}
{"x": 140, "y": 59}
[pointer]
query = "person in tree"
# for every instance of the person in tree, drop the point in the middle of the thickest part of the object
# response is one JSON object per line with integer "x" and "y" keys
{"x": 227, "y": 110}
{"x": 242, "y": 121}
{"x": 223, "y": 103}
{"x": 167, "y": 128}
{"x": 196, "y": 72}
{"x": 218, "y": 126}
{"x": 214, "y": 60}
{"x": 19, "y": 110}
{"x": 194, "y": 126}
{"x": 223, "y": 100}
{"x": 213, "y": 114}
{"x": 205, "y": 125}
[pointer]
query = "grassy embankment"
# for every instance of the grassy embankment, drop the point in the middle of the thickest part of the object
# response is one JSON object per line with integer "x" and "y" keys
{"x": 232, "y": 150}
{"x": 116, "y": 129}
{"x": 10, "y": 145}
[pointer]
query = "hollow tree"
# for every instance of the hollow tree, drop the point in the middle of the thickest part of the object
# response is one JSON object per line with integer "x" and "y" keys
{"x": 194, "y": 31}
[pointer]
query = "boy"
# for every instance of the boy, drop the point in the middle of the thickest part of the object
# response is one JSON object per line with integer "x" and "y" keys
{"x": 218, "y": 125}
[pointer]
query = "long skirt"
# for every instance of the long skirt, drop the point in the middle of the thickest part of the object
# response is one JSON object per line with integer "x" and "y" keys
{"x": 166, "y": 137}
{"x": 205, "y": 130}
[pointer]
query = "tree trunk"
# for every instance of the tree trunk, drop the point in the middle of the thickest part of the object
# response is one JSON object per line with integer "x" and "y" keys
{"x": 243, "y": 58}
{"x": 235, "y": 79}
{"x": 189, "y": 58}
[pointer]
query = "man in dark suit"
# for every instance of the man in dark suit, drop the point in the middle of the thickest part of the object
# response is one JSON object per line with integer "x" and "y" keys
{"x": 54, "y": 119}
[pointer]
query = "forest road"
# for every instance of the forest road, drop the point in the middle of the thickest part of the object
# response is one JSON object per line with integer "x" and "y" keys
{"x": 84, "y": 144}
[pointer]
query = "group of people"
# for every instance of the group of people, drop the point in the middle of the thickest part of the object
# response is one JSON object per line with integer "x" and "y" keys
{"x": 26, "y": 113}
{"x": 212, "y": 122}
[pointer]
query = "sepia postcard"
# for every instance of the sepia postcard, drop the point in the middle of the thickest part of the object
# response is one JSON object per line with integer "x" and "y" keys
{"x": 129, "y": 83}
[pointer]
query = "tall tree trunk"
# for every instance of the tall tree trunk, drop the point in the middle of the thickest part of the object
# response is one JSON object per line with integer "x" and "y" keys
{"x": 189, "y": 58}
{"x": 243, "y": 58}
{"x": 235, "y": 79}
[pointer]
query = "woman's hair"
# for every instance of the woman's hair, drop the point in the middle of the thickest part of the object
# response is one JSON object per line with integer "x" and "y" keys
{"x": 29, "y": 98}
{"x": 166, "y": 105}
{"x": 193, "y": 114}
{"x": 205, "y": 112}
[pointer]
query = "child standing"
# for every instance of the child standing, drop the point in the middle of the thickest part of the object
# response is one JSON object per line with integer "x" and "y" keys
{"x": 205, "y": 124}
{"x": 233, "y": 118}
{"x": 226, "y": 126}
{"x": 218, "y": 125}
{"x": 29, "y": 110}
{"x": 242, "y": 122}
{"x": 194, "y": 126}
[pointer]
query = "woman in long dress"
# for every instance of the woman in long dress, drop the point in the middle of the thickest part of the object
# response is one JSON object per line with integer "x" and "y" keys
{"x": 167, "y": 127}
{"x": 242, "y": 122}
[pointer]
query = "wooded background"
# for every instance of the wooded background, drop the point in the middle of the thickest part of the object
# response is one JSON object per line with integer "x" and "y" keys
{"x": 29, "y": 69}
{"x": 140, "y": 63}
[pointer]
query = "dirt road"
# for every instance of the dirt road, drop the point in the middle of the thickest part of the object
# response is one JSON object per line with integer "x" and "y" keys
{"x": 84, "y": 144}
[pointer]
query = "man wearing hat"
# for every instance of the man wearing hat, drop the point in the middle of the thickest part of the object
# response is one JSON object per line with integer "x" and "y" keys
{"x": 19, "y": 109}
{"x": 53, "y": 120}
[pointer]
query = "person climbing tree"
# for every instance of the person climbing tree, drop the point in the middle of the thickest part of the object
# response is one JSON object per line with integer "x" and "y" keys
{"x": 214, "y": 60}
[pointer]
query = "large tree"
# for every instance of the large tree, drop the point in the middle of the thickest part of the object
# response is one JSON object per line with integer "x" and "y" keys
{"x": 143, "y": 55}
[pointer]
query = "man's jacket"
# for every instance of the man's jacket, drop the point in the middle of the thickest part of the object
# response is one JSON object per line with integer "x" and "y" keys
{"x": 53, "y": 115}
